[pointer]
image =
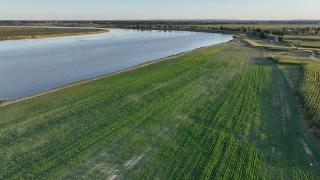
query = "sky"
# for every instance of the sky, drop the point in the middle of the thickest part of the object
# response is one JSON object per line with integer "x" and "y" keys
{"x": 158, "y": 9}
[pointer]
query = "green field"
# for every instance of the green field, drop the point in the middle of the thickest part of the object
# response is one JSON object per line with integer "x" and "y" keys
{"x": 308, "y": 85}
{"x": 301, "y": 37}
{"x": 266, "y": 42}
{"x": 308, "y": 71}
{"x": 306, "y": 44}
{"x": 222, "y": 112}
{"x": 303, "y": 41}
{"x": 311, "y": 90}
{"x": 12, "y": 33}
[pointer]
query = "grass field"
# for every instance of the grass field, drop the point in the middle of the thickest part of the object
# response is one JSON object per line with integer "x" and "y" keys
{"x": 289, "y": 60}
{"x": 304, "y": 43}
{"x": 12, "y": 33}
{"x": 222, "y": 112}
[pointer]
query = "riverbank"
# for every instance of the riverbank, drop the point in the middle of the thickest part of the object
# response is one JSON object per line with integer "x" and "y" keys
{"x": 29, "y": 32}
{"x": 5, "y": 102}
{"x": 200, "y": 114}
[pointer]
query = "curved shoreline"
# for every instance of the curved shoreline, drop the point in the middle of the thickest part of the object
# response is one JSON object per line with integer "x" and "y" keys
{"x": 84, "y": 81}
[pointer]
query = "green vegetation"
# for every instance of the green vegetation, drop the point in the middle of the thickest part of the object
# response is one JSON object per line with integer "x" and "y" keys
{"x": 292, "y": 60}
{"x": 12, "y": 33}
{"x": 259, "y": 29}
{"x": 266, "y": 42}
{"x": 297, "y": 51}
{"x": 308, "y": 86}
{"x": 261, "y": 43}
{"x": 310, "y": 90}
{"x": 300, "y": 37}
{"x": 303, "y": 43}
{"x": 273, "y": 26}
{"x": 221, "y": 112}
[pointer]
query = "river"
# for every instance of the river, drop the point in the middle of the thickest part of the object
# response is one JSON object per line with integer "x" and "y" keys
{"x": 35, "y": 65}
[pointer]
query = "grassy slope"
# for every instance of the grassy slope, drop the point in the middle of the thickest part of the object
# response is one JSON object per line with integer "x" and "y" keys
{"x": 11, "y": 33}
{"x": 219, "y": 112}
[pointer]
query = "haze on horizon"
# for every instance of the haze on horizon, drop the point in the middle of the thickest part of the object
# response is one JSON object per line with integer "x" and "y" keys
{"x": 164, "y": 9}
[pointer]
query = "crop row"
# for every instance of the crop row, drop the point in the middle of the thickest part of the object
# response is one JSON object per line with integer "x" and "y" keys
{"x": 310, "y": 90}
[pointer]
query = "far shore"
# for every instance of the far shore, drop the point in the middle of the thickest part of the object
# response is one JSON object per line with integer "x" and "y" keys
{"x": 88, "y": 31}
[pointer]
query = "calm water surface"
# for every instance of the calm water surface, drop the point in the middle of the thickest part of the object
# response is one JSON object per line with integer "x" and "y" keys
{"x": 32, "y": 66}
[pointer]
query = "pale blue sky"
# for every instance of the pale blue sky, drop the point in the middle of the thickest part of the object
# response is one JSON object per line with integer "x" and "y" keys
{"x": 159, "y": 9}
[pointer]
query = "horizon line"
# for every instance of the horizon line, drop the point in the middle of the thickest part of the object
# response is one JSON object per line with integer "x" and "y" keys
{"x": 187, "y": 19}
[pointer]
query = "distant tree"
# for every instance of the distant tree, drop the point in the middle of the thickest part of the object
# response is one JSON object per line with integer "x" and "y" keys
{"x": 280, "y": 38}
